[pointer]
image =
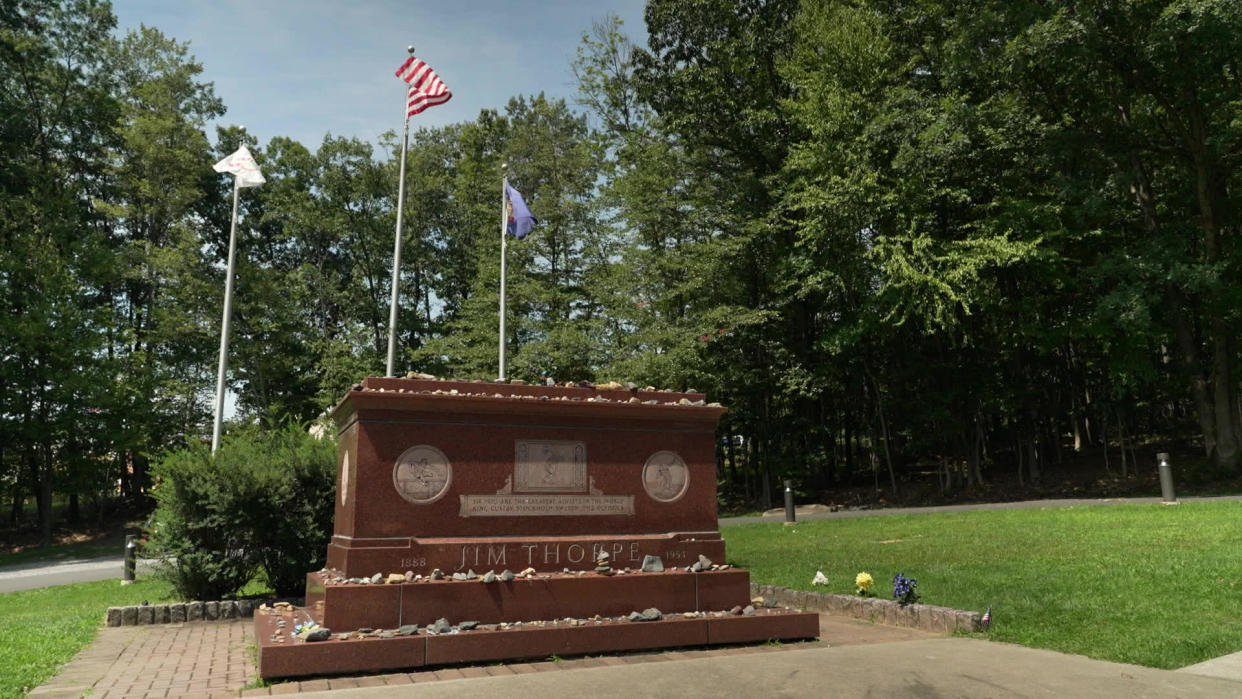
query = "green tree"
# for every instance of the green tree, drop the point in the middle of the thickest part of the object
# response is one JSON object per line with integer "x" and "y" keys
{"x": 56, "y": 113}
{"x": 554, "y": 322}
{"x": 1150, "y": 93}
{"x": 160, "y": 340}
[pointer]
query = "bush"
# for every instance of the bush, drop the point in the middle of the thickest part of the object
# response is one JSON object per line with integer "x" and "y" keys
{"x": 264, "y": 502}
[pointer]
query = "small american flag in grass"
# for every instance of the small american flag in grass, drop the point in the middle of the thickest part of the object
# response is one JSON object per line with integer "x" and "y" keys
{"x": 986, "y": 620}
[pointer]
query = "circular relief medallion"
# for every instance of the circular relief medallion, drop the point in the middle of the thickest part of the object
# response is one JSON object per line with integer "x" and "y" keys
{"x": 422, "y": 474}
{"x": 344, "y": 477}
{"x": 665, "y": 476}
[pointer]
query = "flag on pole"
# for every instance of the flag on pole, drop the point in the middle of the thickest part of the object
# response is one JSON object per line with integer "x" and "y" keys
{"x": 426, "y": 88}
{"x": 986, "y": 620}
{"x": 241, "y": 164}
{"x": 521, "y": 220}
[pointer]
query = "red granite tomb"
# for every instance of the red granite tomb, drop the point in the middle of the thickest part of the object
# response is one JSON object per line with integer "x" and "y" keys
{"x": 514, "y": 506}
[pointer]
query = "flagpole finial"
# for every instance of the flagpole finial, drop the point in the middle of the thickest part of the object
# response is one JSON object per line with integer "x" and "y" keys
{"x": 410, "y": 49}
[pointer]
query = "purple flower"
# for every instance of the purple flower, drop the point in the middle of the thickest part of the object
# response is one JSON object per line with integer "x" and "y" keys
{"x": 905, "y": 590}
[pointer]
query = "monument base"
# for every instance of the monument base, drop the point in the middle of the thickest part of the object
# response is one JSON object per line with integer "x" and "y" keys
{"x": 359, "y": 557}
{"x": 345, "y": 606}
{"x": 373, "y": 652}
{"x": 545, "y": 614}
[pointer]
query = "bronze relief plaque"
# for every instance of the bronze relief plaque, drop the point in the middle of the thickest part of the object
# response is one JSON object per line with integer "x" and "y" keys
{"x": 344, "y": 481}
{"x": 422, "y": 474}
{"x": 665, "y": 476}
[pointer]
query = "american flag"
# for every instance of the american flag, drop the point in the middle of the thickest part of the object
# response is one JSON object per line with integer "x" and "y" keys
{"x": 426, "y": 88}
{"x": 986, "y": 620}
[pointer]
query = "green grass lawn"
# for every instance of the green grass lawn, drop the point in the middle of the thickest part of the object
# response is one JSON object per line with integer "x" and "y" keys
{"x": 1145, "y": 584}
{"x": 45, "y": 628}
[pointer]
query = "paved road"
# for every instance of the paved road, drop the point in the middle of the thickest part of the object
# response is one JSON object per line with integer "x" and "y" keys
{"x": 31, "y": 576}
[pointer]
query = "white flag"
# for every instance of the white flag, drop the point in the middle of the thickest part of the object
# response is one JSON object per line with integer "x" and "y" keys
{"x": 242, "y": 165}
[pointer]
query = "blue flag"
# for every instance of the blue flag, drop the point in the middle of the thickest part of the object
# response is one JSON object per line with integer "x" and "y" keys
{"x": 521, "y": 220}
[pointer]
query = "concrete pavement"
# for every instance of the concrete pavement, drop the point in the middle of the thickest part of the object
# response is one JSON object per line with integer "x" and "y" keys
{"x": 949, "y": 667}
{"x": 852, "y": 659}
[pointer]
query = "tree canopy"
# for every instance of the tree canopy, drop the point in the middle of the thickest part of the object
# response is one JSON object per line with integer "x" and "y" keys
{"x": 883, "y": 233}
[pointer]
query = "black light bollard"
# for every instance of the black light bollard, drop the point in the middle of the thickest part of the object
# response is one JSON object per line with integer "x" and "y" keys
{"x": 131, "y": 550}
{"x": 1166, "y": 479}
{"x": 790, "y": 516}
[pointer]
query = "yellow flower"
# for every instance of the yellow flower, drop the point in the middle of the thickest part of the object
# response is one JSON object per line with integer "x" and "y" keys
{"x": 863, "y": 581}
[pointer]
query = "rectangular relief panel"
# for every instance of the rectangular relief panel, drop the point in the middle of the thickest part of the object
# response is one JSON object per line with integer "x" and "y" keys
{"x": 545, "y": 466}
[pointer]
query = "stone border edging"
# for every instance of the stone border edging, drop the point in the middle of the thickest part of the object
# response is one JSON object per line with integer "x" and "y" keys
{"x": 178, "y": 612}
{"x": 924, "y": 617}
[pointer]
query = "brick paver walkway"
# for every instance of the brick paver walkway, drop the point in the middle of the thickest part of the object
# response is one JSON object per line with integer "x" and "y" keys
{"x": 175, "y": 660}
{"x": 216, "y": 659}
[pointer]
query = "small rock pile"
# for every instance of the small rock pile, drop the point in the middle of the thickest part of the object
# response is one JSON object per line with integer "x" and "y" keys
{"x": 492, "y": 393}
{"x": 603, "y": 566}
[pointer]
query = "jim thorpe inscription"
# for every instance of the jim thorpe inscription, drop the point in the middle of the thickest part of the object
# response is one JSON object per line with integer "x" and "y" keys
{"x": 484, "y": 556}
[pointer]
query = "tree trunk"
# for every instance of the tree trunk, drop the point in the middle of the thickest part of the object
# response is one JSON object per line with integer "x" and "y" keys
{"x": 1055, "y": 435}
{"x": 766, "y": 474}
{"x": 888, "y": 454}
{"x": 127, "y": 483}
{"x": 1077, "y": 435}
{"x": 1020, "y": 453}
{"x": 1121, "y": 442}
{"x": 45, "y": 504}
{"x": 1226, "y": 457}
{"x": 884, "y": 433}
{"x": 848, "y": 450}
{"x": 15, "y": 509}
{"x": 74, "y": 515}
{"x": 141, "y": 464}
{"x": 1032, "y": 458}
{"x": 1104, "y": 441}
{"x": 1208, "y": 191}
{"x": 1188, "y": 350}
{"x": 748, "y": 473}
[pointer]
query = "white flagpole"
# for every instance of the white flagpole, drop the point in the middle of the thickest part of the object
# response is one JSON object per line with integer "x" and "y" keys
{"x": 224, "y": 326}
{"x": 504, "y": 220}
{"x": 396, "y": 252}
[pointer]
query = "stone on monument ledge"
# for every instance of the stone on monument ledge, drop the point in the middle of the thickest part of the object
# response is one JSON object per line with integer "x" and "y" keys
{"x": 546, "y": 596}
{"x": 294, "y": 657}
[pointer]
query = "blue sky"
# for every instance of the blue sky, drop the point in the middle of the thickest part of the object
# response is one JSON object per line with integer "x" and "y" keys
{"x": 308, "y": 68}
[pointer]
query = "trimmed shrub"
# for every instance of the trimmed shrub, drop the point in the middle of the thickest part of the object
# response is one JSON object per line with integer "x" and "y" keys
{"x": 293, "y": 524}
{"x": 264, "y": 502}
